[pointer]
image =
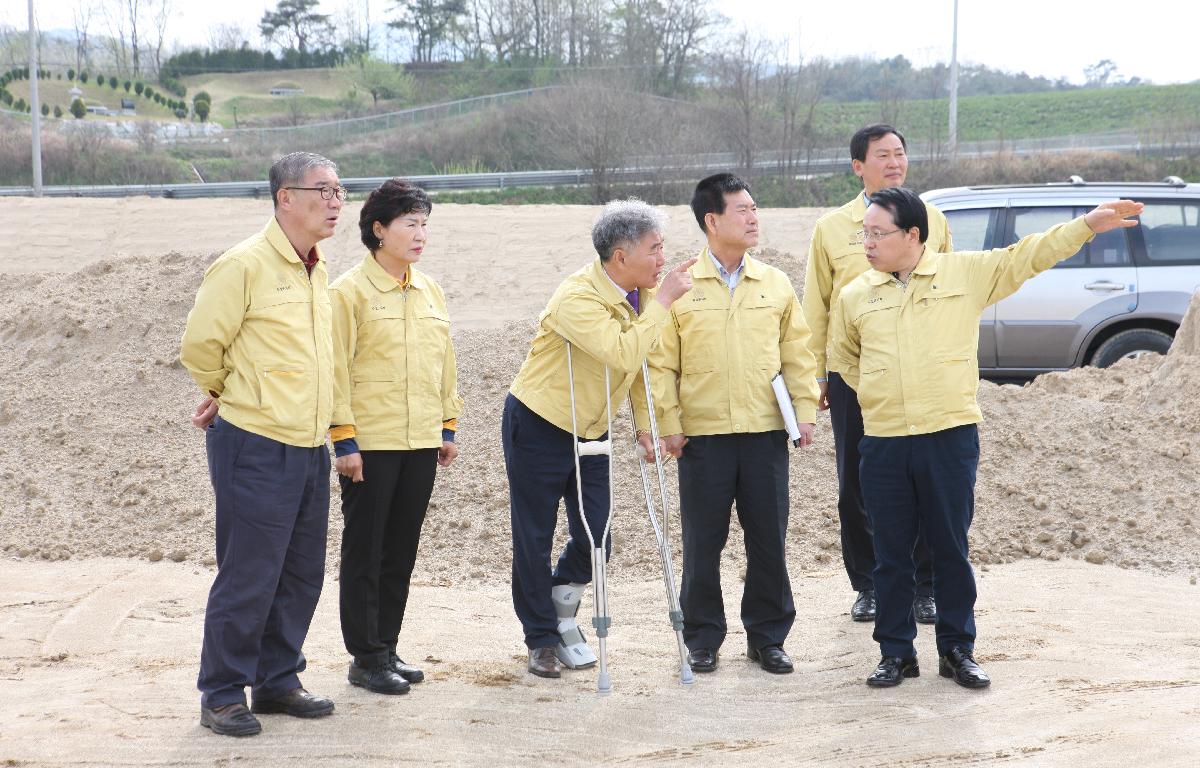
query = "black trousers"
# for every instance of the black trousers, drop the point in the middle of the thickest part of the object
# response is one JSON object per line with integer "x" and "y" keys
{"x": 383, "y": 516}
{"x": 924, "y": 482}
{"x": 714, "y": 472}
{"x": 272, "y": 515}
{"x": 540, "y": 462}
{"x": 858, "y": 552}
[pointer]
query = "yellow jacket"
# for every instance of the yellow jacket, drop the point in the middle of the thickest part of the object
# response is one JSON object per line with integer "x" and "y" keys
{"x": 259, "y": 337}
{"x": 911, "y": 354}
{"x": 591, "y": 312}
{"x": 395, "y": 377}
{"x": 836, "y": 256}
{"x": 712, "y": 369}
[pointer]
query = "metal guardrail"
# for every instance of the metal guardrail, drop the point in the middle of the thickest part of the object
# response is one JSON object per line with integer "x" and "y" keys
{"x": 825, "y": 160}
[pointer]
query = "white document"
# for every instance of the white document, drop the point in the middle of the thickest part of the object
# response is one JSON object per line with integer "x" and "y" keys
{"x": 784, "y": 398}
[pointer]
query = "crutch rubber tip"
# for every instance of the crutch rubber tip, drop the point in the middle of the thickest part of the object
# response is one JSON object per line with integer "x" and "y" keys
{"x": 686, "y": 677}
{"x": 603, "y": 684}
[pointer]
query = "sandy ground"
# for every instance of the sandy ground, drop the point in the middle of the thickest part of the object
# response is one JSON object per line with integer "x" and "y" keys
{"x": 1084, "y": 539}
{"x": 1100, "y": 667}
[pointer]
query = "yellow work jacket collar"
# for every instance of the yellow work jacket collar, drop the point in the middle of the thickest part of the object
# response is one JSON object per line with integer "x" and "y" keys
{"x": 384, "y": 281}
{"x": 705, "y": 267}
{"x": 858, "y": 207}
{"x": 927, "y": 265}
{"x": 279, "y": 241}
{"x": 610, "y": 292}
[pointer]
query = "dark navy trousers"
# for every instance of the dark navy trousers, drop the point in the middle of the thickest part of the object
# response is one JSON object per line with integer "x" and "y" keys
{"x": 272, "y": 514}
{"x": 924, "y": 482}
{"x": 858, "y": 552}
{"x": 714, "y": 472}
{"x": 540, "y": 461}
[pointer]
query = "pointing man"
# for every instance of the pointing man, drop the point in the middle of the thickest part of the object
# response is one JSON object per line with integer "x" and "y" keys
{"x": 904, "y": 336}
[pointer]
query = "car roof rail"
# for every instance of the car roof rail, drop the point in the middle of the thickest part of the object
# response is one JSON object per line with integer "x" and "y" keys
{"x": 1174, "y": 181}
{"x": 1076, "y": 180}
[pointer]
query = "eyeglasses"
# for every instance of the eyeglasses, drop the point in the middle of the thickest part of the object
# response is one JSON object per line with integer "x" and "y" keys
{"x": 327, "y": 193}
{"x": 875, "y": 235}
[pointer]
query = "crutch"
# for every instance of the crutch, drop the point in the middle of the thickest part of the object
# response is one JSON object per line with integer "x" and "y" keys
{"x": 662, "y": 527}
{"x": 600, "y": 618}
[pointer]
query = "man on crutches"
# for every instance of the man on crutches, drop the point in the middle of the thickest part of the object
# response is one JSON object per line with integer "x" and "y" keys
{"x": 592, "y": 316}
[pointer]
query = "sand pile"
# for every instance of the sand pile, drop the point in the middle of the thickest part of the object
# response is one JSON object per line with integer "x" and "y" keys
{"x": 98, "y": 457}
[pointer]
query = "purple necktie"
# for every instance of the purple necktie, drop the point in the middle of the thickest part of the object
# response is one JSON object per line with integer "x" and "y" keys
{"x": 632, "y": 298}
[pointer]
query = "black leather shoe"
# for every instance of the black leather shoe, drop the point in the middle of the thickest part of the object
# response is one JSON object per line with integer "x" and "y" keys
{"x": 864, "y": 607}
{"x": 407, "y": 671}
{"x": 296, "y": 702}
{"x": 380, "y": 679}
{"x": 544, "y": 662}
{"x": 960, "y": 664}
{"x": 925, "y": 610}
{"x": 773, "y": 659}
{"x": 703, "y": 659}
{"x": 892, "y": 670}
{"x": 230, "y": 720}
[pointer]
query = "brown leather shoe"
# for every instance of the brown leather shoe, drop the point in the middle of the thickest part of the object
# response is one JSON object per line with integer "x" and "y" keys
{"x": 543, "y": 662}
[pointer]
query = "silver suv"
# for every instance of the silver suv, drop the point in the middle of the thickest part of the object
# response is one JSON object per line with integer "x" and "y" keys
{"x": 1122, "y": 295}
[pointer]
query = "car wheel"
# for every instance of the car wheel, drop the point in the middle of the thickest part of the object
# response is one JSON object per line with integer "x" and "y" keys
{"x": 1132, "y": 343}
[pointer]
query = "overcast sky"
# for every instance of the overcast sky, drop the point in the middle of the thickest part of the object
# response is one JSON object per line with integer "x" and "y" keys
{"x": 1151, "y": 39}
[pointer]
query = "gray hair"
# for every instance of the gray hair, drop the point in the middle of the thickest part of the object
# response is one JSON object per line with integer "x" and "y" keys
{"x": 625, "y": 222}
{"x": 292, "y": 168}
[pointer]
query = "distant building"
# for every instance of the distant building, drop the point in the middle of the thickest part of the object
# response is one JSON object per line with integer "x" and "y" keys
{"x": 286, "y": 91}
{"x": 128, "y": 107}
{"x": 98, "y": 109}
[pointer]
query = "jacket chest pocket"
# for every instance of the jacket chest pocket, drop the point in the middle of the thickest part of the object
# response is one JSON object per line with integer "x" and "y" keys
{"x": 946, "y": 320}
{"x": 700, "y": 333}
{"x": 759, "y": 320}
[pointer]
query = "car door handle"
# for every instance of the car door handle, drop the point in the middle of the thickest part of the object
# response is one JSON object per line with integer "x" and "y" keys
{"x": 1105, "y": 285}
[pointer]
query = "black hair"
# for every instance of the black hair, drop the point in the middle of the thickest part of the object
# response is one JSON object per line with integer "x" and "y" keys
{"x": 863, "y": 137}
{"x": 709, "y": 196}
{"x": 391, "y": 200}
{"x": 907, "y": 209}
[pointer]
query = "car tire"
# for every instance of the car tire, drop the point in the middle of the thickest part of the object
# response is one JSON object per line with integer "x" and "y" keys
{"x": 1132, "y": 343}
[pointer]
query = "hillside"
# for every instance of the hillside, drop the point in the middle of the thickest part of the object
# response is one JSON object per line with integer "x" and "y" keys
{"x": 56, "y": 93}
{"x": 1009, "y": 116}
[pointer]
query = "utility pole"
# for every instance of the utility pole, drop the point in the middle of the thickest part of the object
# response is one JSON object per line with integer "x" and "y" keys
{"x": 35, "y": 106}
{"x": 952, "y": 140}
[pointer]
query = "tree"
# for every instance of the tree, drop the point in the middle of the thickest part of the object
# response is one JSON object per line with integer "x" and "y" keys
{"x": 112, "y": 82}
{"x": 383, "y": 80}
{"x": 45, "y": 110}
{"x": 429, "y": 22}
{"x": 1099, "y": 74}
{"x": 138, "y": 87}
{"x": 127, "y": 85}
{"x": 202, "y": 108}
{"x": 71, "y": 74}
{"x": 83, "y": 77}
{"x": 297, "y": 21}
{"x": 58, "y": 113}
{"x": 78, "y": 109}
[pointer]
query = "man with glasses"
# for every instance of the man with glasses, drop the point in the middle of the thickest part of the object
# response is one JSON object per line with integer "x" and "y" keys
{"x": 835, "y": 257}
{"x": 259, "y": 343}
{"x": 904, "y": 336}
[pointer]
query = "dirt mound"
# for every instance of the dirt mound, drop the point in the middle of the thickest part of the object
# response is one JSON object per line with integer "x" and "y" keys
{"x": 99, "y": 457}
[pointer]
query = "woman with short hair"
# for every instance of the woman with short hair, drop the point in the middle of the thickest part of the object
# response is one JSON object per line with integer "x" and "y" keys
{"x": 396, "y": 407}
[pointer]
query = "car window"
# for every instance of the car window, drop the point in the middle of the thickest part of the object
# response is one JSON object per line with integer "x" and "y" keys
{"x": 1110, "y": 249}
{"x": 1171, "y": 232}
{"x": 1031, "y": 221}
{"x": 969, "y": 228}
